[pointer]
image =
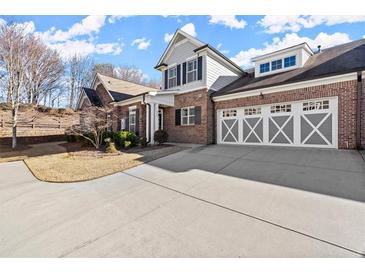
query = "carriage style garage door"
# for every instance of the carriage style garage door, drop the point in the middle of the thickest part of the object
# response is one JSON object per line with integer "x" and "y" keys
{"x": 311, "y": 123}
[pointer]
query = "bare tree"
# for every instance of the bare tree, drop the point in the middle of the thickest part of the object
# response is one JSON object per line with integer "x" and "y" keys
{"x": 94, "y": 121}
{"x": 105, "y": 69}
{"x": 79, "y": 74}
{"x": 130, "y": 73}
{"x": 135, "y": 75}
{"x": 43, "y": 73}
{"x": 13, "y": 45}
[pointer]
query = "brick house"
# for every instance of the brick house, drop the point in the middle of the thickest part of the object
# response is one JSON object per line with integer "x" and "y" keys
{"x": 291, "y": 97}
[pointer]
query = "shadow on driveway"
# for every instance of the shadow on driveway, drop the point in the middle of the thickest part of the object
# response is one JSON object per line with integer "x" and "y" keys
{"x": 339, "y": 173}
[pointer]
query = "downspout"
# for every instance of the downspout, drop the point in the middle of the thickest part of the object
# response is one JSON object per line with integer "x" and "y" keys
{"x": 214, "y": 133}
{"x": 149, "y": 119}
{"x": 359, "y": 110}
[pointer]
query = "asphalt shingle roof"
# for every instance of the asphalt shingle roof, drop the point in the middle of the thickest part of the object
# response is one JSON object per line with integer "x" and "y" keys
{"x": 336, "y": 60}
{"x": 121, "y": 90}
{"x": 93, "y": 97}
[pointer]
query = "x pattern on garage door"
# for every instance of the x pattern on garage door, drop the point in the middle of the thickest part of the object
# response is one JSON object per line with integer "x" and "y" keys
{"x": 305, "y": 123}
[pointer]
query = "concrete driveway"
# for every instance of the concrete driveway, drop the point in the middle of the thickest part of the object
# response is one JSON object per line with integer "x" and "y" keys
{"x": 214, "y": 201}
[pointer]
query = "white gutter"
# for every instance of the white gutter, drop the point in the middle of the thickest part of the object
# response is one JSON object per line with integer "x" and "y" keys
{"x": 128, "y": 101}
{"x": 287, "y": 87}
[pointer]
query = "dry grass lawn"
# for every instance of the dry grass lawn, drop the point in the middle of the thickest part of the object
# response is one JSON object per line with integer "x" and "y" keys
{"x": 70, "y": 162}
{"x": 7, "y": 154}
{"x": 68, "y": 167}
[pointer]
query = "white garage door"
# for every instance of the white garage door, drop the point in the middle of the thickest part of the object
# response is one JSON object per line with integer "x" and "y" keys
{"x": 311, "y": 123}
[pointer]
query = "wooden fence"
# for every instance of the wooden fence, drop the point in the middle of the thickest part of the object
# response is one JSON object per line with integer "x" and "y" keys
{"x": 34, "y": 124}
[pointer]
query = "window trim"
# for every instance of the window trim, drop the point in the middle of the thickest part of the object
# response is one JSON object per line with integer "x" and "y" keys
{"x": 255, "y": 110}
{"x": 191, "y": 71}
{"x": 132, "y": 112}
{"x": 168, "y": 76}
{"x": 231, "y": 113}
{"x": 187, "y": 116}
{"x": 276, "y": 66}
{"x": 287, "y": 108}
{"x": 323, "y": 105}
{"x": 267, "y": 63}
{"x": 288, "y": 57}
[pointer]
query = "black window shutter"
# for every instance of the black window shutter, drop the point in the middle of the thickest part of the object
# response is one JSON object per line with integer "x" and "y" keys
{"x": 200, "y": 67}
{"x": 178, "y": 72}
{"x": 198, "y": 114}
{"x": 126, "y": 123}
{"x": 166, "y": 79}
{"x": 137, "y": 122}
{"x": 184, "y": 74}
{"x": 177, "y": 117}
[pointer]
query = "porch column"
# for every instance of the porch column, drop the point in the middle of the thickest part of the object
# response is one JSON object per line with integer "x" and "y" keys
{"x": 154, "y": 120}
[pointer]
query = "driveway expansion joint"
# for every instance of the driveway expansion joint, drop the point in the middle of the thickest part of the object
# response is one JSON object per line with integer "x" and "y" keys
{"x": 249, "y": 215}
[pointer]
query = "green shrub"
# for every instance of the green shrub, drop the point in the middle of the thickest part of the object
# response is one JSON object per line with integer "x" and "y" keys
{"x": 160, "y": 136}
{"x": 126, "y": 136}
{"x": 109, "y": 134}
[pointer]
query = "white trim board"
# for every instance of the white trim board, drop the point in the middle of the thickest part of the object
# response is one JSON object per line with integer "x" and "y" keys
{"x": 288, "y": 87}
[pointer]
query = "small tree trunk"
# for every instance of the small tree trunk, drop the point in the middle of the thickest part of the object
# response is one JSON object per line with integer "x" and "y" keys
{"x": 14, "y": 114}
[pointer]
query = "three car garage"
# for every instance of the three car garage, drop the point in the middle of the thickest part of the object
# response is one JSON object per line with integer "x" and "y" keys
{"x": 307, "y": 123}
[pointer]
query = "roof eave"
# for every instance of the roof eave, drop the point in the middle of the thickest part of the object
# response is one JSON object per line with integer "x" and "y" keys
{"x": 219, "y": 54}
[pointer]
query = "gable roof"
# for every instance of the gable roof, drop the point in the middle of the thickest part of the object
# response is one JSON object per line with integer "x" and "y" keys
{"x": 176, "y": 36}
{"x": 92, "y": 96}
{"x": 333, "y": 61}
{"x": 303, "y": 45}
{"x": 221, "y": 55}
{"x": 121, "y": 90}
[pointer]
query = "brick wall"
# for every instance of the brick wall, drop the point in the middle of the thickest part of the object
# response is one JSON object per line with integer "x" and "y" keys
{"x": 199, "y": 134}
{"x": 347, "y": 96}
{"x": 363, "y": 115}
{"x": 103, "y": 95}
{"x": 122, "y": 112}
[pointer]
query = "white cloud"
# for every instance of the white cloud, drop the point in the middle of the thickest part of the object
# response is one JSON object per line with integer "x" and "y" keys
{"x": 88, "y": 26}
{"x": 230, "y": 21}
{"x": 224, "y": 51}
{"x": 84, "y": 48}
{"x": 142, "y": 43}
{"x": 294, "y": 23}
{"x": 114, "y": 18}
{"x": 167, "y": 37}
{"x": 243, "y": 58}
{"x": 188, "y": 28}
{"x": 2, "y": 21}
{"x": 28, "y": 26}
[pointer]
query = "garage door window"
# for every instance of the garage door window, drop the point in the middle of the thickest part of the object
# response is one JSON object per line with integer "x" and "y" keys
{"x": 315, "y": 105}
{"x": 280, "y": 108}
{"x": 230, "y": 113}
{"x": 252, "y": 111}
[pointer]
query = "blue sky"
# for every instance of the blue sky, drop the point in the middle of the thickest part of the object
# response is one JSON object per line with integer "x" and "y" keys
{"x": 140, "y": 40}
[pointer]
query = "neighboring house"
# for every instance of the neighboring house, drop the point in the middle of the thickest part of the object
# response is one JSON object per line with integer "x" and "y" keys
{"x": 292, "y": 97}
{"x": 124, "y": 97}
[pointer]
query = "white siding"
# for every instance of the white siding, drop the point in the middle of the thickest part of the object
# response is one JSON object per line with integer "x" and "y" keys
{"x": 180, "y": 54}
{"x": 301, "y": 58}
{"x": 218, "y": 75}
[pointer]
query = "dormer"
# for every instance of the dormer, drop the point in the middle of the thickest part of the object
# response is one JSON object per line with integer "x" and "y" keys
{"x": 188, "y": 64}
{"x": 282, "y": 60}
